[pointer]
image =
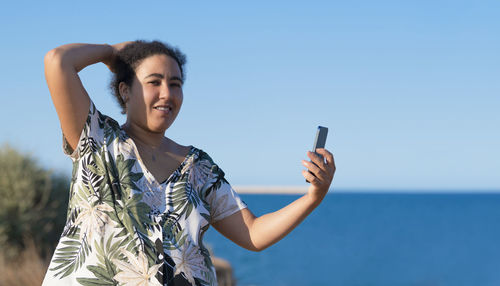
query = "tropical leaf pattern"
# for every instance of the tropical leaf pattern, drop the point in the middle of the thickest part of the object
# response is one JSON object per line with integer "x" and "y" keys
{"x": 70, "y": 255}
{"x": 125, "y": 228}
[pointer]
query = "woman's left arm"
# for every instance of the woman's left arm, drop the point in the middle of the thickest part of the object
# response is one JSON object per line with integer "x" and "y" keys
{"x": 258, "y": 233}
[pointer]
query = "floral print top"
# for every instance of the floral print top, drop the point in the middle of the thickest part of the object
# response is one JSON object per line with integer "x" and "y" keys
{"x": 125, "y": 228}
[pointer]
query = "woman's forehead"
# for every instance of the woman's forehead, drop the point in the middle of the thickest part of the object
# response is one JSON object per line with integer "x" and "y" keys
{"x": 159, "y": 63}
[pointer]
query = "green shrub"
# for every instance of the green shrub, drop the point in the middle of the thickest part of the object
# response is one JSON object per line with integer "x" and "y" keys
{"x": 33, "y": 203}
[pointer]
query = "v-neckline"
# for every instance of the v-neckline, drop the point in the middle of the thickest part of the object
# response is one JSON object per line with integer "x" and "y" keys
{"x": 145, "y": 169}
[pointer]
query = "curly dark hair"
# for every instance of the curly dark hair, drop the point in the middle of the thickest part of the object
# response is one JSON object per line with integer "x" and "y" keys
{"x": 131, "y": 56}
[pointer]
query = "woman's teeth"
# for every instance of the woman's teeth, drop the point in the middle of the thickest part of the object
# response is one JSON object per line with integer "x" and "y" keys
{"x": 162, "y": 108}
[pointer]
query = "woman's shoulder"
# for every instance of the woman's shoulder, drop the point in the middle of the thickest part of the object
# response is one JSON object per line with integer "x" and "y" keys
{"x": 201, "y": 156}
{"x": 204, "y": 161}
{"x": 201, "y": 171}
{"x": 195, "y": 157}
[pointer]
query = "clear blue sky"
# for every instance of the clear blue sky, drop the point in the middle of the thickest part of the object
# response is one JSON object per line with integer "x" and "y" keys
{"x": 410, "y": 90}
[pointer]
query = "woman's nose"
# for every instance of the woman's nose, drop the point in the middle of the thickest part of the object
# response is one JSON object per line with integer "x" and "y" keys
{"x": 165, "y": 91}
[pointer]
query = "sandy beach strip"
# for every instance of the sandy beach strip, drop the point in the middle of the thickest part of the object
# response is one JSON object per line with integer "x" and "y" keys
{"x": 271, "y": 190}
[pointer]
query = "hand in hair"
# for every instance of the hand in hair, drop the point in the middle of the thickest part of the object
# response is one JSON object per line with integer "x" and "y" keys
{"x": 109, "y": 62}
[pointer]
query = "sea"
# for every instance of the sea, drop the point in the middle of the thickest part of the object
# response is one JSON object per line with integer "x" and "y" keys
{"x": 358, "y": 239}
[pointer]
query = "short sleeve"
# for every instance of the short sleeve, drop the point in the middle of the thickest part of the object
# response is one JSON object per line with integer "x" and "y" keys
{"x": 224, "y": 201}
{"x": 93, "y": 134}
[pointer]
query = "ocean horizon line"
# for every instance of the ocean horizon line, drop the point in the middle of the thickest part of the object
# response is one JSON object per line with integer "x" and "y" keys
{"x": 283, "y": 189}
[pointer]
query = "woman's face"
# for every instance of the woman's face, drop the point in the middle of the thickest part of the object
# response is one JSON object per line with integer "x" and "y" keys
{"x": 155, "y": 96}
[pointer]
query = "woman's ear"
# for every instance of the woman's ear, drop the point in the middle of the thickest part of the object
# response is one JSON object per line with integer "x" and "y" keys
{"x": 124, "y": 91}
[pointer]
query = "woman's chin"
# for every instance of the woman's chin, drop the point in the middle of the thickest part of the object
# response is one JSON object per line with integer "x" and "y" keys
{"x": 159, "y": 128}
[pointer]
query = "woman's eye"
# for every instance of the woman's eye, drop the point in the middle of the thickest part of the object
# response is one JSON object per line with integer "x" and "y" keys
{"x": 155, "y": 82}
{"x": 174, "y": 84}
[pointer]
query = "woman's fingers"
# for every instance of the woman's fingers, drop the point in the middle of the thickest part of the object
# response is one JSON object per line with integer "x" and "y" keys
{"x": 311, "y": 166}
{"x": 327, "y": 155}
{"x": 110, "y": 61}
{"x": 313, "y": 169}
{"x": 318, "y": 167}
{"x": 310, "y": 177}
{"x": 320, "y": 173}
{"x": 120, "y": 46}
{"x": 330, "y": 161}
{"x": 318, "y": 160}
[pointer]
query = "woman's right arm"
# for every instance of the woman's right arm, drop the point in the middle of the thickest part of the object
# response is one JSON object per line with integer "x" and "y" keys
{"x": 70, "y": 98}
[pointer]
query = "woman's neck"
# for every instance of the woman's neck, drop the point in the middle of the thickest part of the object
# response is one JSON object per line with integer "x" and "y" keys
{"x": 144, "y": 137}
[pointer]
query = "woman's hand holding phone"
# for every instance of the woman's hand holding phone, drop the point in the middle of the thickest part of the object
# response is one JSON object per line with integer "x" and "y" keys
{"x": 320, "y": 174}
{"x": 321, "y": 168}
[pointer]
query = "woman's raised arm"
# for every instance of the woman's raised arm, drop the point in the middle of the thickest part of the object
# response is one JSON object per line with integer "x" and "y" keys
{"x": 258, "y": 233}
{"x": 70, "y": 98}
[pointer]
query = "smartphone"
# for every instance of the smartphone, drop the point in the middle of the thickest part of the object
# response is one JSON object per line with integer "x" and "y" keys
{"x": 320, "y": 140}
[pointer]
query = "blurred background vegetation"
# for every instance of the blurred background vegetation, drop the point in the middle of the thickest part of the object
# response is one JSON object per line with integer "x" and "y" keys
{"x": 33, "y": 205}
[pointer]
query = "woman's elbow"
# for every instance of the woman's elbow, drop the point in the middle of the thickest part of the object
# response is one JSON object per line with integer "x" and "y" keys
{"x": 254, "y": 249}
{"x": 51, "y": 56}
{"x": 257, "y": 247}
{"x": 250, "y": 245}
{"x": 54, "y": 57}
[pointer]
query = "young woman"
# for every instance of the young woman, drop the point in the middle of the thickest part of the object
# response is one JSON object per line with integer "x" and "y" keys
{"x": 140, "y": 202}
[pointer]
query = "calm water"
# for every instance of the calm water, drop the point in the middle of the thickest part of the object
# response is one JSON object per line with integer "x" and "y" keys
{"x": 377, "y": 239}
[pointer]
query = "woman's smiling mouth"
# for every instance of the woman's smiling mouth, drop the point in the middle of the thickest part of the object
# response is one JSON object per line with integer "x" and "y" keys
{"x": 163, "y": 108}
